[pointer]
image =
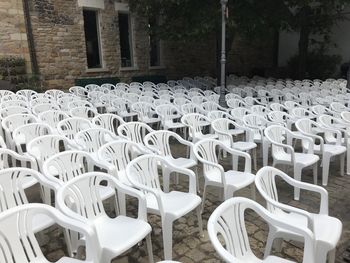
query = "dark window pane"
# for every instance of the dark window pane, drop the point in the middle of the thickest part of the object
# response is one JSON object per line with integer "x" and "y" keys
{"x": 154, "y": 43}
{"x": 92, "y": 39}
{"x": 125, "y": 40}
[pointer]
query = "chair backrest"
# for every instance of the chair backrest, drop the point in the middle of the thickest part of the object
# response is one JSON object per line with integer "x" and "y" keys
{"x": 144, "y": 109}
{"x": 79, "y": 103}
{"x": 228, "y": 234}
{"x": 14, "y": 121}
{"x": 279, "y": 116}
{"x": 41, "y": 100}
{"x": 55, "y": 93}
{"x": 43, "y": 147}
{"x": 159, "y": 142}
{"x": 277, "y": 107}
{"x": 235, "y": 103}
{"x": 276, "y": 134}
{"x": 12, "y": 186}
{"x": 191, "y": 108}
{"x": 259, "y": 110}
{"x": 168, "y": 112}
{"x": 14, "y": 97}
{"x": 14, "y": 103}
{"x": 84, "y": 112}
{"x": 53, "y": 117}
{"x": 9, "y": 158}
{"x": 40, "y": 108}
{"x": 217, "y": 114}
{"x": 13, "y": 110}
{"x": 26, "y": 93}
{"x": 119, "y": 154}
{"x": 108, "y": 121}
{"x": 18, "y": 240}
{"x": 194, "y": 121}
{"x": 69, "y": 164}
{"x": 25, "y": 133}
{"x": 81, "y": 197}
{"x": 134, "y": 131}
{"x": 206, "y": 151}
{"x": 92, "y": 139}
{"x": 71, "y": 126}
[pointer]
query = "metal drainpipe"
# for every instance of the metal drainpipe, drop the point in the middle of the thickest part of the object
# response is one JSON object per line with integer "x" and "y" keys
{"x": 29, "y": 29}
{"x": 348, "y": 78}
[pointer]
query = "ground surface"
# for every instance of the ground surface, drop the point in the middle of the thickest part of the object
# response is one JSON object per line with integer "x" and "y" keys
{"x": 188, "y": 246}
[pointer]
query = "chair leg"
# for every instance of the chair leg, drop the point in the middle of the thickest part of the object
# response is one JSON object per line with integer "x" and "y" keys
{"x": 197, "y": 179}
{"x": 325, "y": 169}
{"x": 342, "y": 164}
{"x": 269, "y": 241}
{"x": 331, "y": 256}
{"x": 200, "y": 221}
{"x": 167, "y": 229}
{"x": 255, "y": 160}
{"x": 348, "y": 159}
{"x": 315, "y": 172}
{"x": 203, "y": 197}
{"x": 265, "y": 151}
{"x": 149, "y": 248}
{"x": 297, "y": 176}
{"x": 166, "y": 179}
{"x": 252, "y": 188}
{"x": 234, "y": 162}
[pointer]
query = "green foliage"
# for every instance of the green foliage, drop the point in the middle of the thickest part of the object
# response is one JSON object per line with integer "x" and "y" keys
{"x": 30, "y": 81}
{"x": 319, "y": 65}
{"x": 11, "y": 66}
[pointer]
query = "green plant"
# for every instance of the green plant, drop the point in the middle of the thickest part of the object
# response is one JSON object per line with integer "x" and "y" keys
{"x": 30, "y": 81}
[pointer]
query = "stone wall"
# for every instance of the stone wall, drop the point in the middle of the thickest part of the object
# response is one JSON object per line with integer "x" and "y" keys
{"x": 13, "y": 37}
{"x": 58, "y": 29}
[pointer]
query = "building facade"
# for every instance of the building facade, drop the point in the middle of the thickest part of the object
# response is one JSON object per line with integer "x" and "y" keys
{"x": 66, "y": 40}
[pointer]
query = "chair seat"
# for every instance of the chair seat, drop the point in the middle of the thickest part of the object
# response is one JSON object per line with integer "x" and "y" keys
{"x": 234, "y": 178}
{"x": 303, "y": 159}
{"x": 327, "y": 229}
{"x": 331, "y": 148}
{"x": 173, "y": 125}
{"x": 244, "y": 146}
{"x": 116, "y": 235}
{"x": 181, "y": 162}
{"x": 174, "y": 203}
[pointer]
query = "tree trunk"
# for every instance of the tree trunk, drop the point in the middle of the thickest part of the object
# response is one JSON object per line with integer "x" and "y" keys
{"x": 303, "y": 42}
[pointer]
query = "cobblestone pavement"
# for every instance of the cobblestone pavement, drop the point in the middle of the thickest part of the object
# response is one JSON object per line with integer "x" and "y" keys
{"x": 188, "y": 246}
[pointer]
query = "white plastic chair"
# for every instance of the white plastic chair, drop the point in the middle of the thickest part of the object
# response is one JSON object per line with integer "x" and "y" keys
{"x": 122, "y": 107}
{"x": 71, "y": 126}
{"x": 192, "y": 108}
{"x": 79, "y": 103}
{"x": 226, "y": 129}
{"x": 228, "y": 234}
{"x": 146, "y": 113}
{"x": 108, "y": 121}
{"x": 326, "y": 229}
{"x": 235, "y": 103}
{"x": 168, "y": 115}
{"x": 27, "y": 93}
{"x": 52, "y": 118}
{"x": 195, "y": 123}
{"x": 311, "y": 128}
{"x": 281, "y": 139}
{"x": 84, "y": 112}
{"x": 259, "y": 110}
{"x": 14, "y": 103}
{"x": 10, "y": 123}
{"x": 215, "y": 175}
{"x": 43, "y": 147}
{"x": 5, "y": 112}
{"x": 116, "y": 155}
{"x": 91, "y": 140}
{"x": 217, "y": 114}
{"x": 159, "y": 143}
{"x": 55, "y": 93}
{"x": 19, "y": 243}
{"x": 25, "y": 133}
{"x": 143, "y": 174}
{"x": 258, "y": 124}
{"x": 13, "y": 183}
{"x": 81, "y": 199}
{"x": 135, "y": 132}
{"x": 39, "y": 108}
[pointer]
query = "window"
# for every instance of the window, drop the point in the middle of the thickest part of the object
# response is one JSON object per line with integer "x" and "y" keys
{"x": 92, "y": 39}
{"x": 125, "y": 36}
{"x": 154, "y": 43}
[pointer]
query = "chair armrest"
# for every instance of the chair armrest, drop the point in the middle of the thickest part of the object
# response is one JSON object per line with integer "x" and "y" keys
{"x": 142, "y": 209}
{"x": 305, "y": 138}
{"x": 246, "y": 156}
{"x": 313, "y": 188}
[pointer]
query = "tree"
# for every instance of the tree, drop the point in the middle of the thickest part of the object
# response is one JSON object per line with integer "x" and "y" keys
{"x": 184, "y": 20}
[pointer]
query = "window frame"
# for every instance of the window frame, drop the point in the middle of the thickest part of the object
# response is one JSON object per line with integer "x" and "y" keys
{"x": 99, "y": 39}
{"x": 131, "y": 40}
